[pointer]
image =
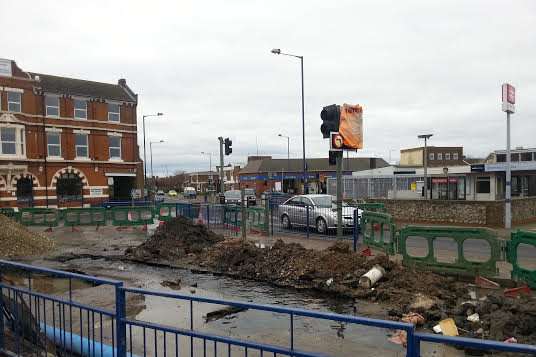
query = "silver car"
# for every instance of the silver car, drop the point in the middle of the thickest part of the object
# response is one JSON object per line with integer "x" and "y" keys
{"x": 322, "y": 212}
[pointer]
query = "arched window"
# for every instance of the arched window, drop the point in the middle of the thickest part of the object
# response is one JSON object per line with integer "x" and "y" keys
{"x": 69, "y": 187}
{"x": 25, "y": 190}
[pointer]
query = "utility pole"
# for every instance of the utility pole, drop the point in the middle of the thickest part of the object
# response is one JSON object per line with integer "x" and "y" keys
{"x": 425, "y": 162}
{"x": 222, "y": 186}
{"x": 339, "y": 194}
{"x": 508, "y": 106}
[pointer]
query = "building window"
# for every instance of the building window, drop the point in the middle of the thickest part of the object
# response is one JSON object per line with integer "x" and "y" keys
{"x": 52, "y": 106}
{"x": 81, "y": 145}
{"x": 114, "y": 144}
{"x": 14, "y": 102}
{"x": 69, "y": 187}
{"x": 113, "y": 112}
{"x": 455, "y": 156}
{"x": 80, "y": 109}
{"x": 526, "y": 156}
{"x": 447, "y": 156}
{"x": 431, "y": 156}
{"x": 514, "y": 157}
{"x": 501, "y": 157}
{"x": 54, "y": 144}
{"x": 483, "y": 185}
{"x": 439, "y": 156}
{"x": 9, "y": 141}
{"x": 24, "y": 190}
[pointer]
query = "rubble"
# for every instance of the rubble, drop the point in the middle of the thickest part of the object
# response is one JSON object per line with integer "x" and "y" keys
{"x": 17, "y": 241}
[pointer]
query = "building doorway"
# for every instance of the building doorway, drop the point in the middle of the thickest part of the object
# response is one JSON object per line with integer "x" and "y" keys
{"x": 25, "y": 192}
{"x": 69, "y": 189}
{"x": 122, "y": 187}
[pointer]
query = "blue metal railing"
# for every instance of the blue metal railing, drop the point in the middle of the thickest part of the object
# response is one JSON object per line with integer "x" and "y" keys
{"x": 35, "y": 322}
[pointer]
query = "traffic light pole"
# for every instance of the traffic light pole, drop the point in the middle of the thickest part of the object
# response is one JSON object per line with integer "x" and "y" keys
{"x": 222, "y": 186}
{"x": 339, "y": 194}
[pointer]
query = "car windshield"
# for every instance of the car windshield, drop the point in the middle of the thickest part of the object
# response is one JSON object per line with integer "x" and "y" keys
{"x": 326, "y": 202}
{"x": 249, "y": 191}
{"x": 232, "y": 194}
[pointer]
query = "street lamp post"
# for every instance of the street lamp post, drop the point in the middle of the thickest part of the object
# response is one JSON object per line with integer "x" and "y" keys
{"x": 145, "y": 151}
{"x": 210, "y": 160}
{"x": 151, "y": 152}
{"x": 277, "y": 51}
{"x": 288, "y": 158}
{"x": 425, "y": 161}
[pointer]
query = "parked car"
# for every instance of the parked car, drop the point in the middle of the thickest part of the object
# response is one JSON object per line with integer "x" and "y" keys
{"x": 159, "y": 196}
{"x": 232, "y": 197}
{"x": 172, "y": 193}
{"x": 322, "y": 212}
{"x": 189, "y": 192}
{"x": 251, "y": 198}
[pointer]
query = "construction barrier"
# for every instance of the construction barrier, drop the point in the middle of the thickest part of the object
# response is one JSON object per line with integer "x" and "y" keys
{"x": 84, "y": 217}
{"x": 10, "y": 213}
{"x": 166, "y": 211}
{"x": 48, "y": 217}
{"x": 256, "y": 219}
{"x": 374, "y": 207}
{"x": 429, "y": 259}
{"x": 378, "y": 231}
{"x": 522, "y": 240}
{"x": 132, "y": 216}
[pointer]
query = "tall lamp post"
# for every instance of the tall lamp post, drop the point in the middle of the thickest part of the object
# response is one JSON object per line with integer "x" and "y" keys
{"x": 145, "y": 150}
{"x": 151, "y": 151}
{"x": 288, "y": 158}
{"x": 209, "y": 154}
{"x": 425, "y": 161}
{"x": 277, "y": 51}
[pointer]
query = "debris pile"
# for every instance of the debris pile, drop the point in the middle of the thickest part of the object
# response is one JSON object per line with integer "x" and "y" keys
{"x": 174, "y": 240}
{"x": 17, "y": 241}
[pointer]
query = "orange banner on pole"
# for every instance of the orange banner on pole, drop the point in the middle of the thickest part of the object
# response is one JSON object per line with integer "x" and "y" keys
{"x": 351, "y": 126}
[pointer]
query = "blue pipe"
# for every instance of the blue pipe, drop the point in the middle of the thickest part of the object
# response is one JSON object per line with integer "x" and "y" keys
{"x": 81, "y": 346}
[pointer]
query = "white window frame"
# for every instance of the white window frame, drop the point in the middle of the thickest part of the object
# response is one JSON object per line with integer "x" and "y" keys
{"x": 56, "y": 132}
{"x": 447, "y": 156}
{"x": 80, "y": 110}
{"x": 440, "y": 156}
{"x": 115, "y": 158}
{"x": 19, "y": 103}
{"x": 20, "y": 142}
{"x": 76, "y": 146}
{"x": 118, "y": 113}
{"x": 52, "y": 106}
{"x": 455, "y": 156}
{"x": 431, "y": 156}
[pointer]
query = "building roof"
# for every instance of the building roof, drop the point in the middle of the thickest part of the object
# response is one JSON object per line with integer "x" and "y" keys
{"x": 431, "y": 147}
{"x": 313, "y": 165}
{"x": 83, "y": 88}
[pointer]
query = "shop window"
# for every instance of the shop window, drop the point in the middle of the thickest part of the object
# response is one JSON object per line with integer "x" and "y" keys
{"x": 501, "y": 157}
{"x": 52, "y": 106}
{"x": 69, "y": 187}
{"x": 526, "y": 156}
{"x": 514, "y": 157}
{"x": 455, "y": 156}
{"x": 440, "y": 156}
{"x": 483, "y": 185}
{"x": 14, "y": 102}
{"x": 447, "y": 156}
{"x": 80, "y": 109}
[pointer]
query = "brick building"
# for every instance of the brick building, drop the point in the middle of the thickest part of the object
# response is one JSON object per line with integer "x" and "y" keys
{"x": 65, "y": 142}
{"x": 437, "y": 156}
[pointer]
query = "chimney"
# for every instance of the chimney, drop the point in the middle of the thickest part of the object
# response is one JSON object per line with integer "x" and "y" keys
{"x": 122, "y": 82}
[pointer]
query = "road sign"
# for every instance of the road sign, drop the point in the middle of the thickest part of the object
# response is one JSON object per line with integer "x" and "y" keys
{"x": 351, "y": 126}
{"x": 336, "y": 142}
{"x": 508, "y": 98}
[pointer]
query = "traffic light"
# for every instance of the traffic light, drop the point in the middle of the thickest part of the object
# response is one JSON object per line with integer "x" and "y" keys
{"x": 331, "y": 116}
{"x": 228, "y": 146}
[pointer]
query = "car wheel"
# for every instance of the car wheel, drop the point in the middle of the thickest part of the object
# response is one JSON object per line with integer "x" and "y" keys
{"x": 321, "y": 226}
{"x": 285, "y": 221}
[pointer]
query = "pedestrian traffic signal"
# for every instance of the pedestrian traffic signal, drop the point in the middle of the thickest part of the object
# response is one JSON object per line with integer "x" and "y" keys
{"x": 330, "y": 119}
{"x": 228, "y": 146}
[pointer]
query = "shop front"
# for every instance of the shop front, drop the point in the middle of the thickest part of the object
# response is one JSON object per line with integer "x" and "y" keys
{"x": 449, "y": 188}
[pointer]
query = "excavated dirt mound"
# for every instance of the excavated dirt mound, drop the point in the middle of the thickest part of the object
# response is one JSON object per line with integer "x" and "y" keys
{"x": 173, "y": 240}
{"x": 17, "y": 241}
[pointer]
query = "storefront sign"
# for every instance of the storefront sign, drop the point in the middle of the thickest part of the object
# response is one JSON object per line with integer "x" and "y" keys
{"x": 444, "y": 180}
{"x": 508, "y": 98}
{"x": 351, "y": 126}
{"x": 516, "y": 166}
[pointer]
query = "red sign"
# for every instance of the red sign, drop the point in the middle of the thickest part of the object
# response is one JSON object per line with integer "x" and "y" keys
{"x": 508, "y": 93}
{"x": 444, "y": 180}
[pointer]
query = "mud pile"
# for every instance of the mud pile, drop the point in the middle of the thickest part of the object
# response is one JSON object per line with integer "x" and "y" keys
{"x": 17, "y": 241}
{"x": 174, "y": 240}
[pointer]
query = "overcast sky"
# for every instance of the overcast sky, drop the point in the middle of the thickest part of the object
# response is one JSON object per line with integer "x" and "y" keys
{"x": 415, "y": 66}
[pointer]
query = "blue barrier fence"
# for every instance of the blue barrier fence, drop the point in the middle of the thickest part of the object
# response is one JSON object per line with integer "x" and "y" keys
{"x": 34, "y": 322}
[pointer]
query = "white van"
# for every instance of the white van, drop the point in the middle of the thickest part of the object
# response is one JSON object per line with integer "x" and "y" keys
{"x": 189, "y": 192}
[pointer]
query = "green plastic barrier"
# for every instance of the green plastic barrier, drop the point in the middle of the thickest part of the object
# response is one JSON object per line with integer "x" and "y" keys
{"x": 518, "y": 272}
{"x": 256, "y": 219}
{"x": 132, "y": 216}
{"x": 459, "y": 235}
{"x": 166, "y": 211}
{"x": 48, "y": 217}
{"x": 84, "y": 216}
{"x": 10, "y": 213}
{"x": 378, "y": 230}
{"x": 374, "y": 207}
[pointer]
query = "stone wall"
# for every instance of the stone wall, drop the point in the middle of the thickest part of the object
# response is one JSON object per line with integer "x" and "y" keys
{"x": 479, "y": 213}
